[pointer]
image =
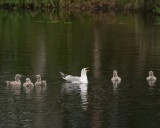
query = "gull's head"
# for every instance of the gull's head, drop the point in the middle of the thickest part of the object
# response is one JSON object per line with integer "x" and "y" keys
{"x": 151, "y": 73}
{"x": 38, "y": 76}
{"x": 28, "y": 80}
{"x": 85, "y": 69}
{"x": 115, "y": 73}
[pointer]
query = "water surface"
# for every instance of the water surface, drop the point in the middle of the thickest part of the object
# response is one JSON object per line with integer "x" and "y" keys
{"x": 46, "y": 43}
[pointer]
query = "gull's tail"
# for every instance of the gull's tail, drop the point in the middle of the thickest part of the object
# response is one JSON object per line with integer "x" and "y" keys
{"x": 63, "y": 75}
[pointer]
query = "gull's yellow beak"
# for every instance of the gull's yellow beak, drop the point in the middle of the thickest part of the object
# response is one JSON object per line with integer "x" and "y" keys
{"x": 87, "y": 69}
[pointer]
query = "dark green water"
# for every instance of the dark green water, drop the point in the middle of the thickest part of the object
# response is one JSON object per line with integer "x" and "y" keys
{"x": 36, "y": 43}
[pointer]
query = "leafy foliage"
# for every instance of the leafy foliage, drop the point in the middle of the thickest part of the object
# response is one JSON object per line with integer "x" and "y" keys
{"x": 149, "y": 5}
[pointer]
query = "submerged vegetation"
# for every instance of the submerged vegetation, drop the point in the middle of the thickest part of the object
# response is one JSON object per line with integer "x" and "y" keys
{"x": 93, "y": 5}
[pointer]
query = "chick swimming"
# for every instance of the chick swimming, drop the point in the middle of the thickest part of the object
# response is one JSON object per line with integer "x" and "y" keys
{"x": 28, "y": 83}
{"x": 40, "y": 82}
{"x": 151, "y": 76}
{"x": 17, "y": 81}
{"x": 115, "y": 77}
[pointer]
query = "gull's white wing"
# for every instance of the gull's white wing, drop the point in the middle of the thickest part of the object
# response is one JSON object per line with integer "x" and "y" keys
{"x": 70, "y": 78}
{"x": 73, "y": 78}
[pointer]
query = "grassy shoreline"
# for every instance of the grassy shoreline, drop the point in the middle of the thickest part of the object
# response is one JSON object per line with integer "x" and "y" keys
{"x": 152, "y": 6}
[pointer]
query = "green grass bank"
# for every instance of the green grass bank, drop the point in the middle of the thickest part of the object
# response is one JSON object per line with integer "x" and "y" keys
{"x": 152, "y": 6}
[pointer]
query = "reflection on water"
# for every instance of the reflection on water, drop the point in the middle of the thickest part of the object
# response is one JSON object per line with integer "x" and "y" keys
{"x": 114, "y": 114}
{"x": 39, "y": 101}
{"x": 14, "y": 89}
{"x": 81, "y": 89}
{"x": 40, "y": 89}
{"x": 151, "y": 82}
{"x": 40, "y": 51}
{"x": 38, "y": 43}
{"x": 69, "y": 87}
{"x": 115, "y": 86}
{"x": 96, "y": 51}
{"x": 28, "y": 91}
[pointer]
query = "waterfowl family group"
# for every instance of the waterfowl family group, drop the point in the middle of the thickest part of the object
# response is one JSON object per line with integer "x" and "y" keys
{"x": 28, "y": 82}
{"x": 115, "y": 79}
{"x": 72, "y": 79}
{"x": 83, "y": 78}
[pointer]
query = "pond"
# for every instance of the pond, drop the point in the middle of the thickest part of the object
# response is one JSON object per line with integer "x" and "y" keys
{"x": 48, "y": 43}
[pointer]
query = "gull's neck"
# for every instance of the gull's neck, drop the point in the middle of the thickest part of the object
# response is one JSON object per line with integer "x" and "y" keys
{"x": 84, "y": 75}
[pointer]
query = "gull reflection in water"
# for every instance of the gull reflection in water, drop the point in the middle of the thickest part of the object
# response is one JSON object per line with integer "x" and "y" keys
{"x": 115, "y": 86}
{"x": 75, "y": 87}
{"x": 28, "y": 91}
{"x": 84, "y": 101}
{"x": 151, "y": 82}
{"x": 40, "y": 89}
